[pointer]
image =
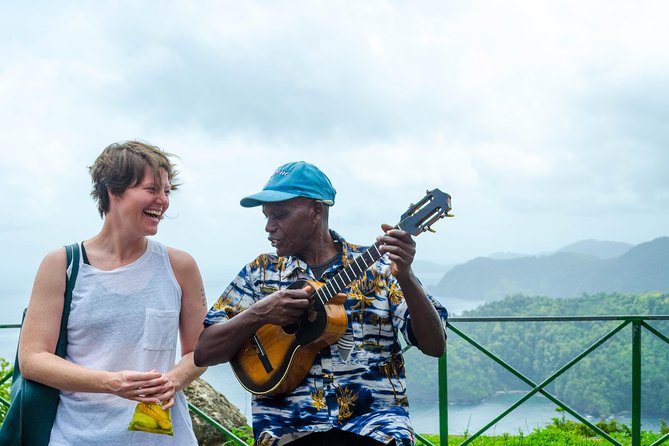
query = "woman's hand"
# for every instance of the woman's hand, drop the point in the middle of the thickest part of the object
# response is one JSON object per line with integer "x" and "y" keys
{"x": 145, "y": 387}
{"x": 170, "y": 389}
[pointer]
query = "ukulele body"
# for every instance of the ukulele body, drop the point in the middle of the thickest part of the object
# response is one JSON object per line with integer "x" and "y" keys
{"x": 278, "y": 358}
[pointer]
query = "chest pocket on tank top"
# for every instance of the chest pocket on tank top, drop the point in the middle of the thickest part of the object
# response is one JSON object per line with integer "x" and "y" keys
{"x": 160, "y": 329}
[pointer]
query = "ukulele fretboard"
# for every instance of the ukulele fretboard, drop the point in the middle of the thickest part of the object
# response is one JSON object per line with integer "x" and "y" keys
{"x": 344, "y": 277}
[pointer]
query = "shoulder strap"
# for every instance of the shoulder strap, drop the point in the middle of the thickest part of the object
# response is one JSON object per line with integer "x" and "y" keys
{"x": 72, "y": 252}
{"x": 72, "y": 270}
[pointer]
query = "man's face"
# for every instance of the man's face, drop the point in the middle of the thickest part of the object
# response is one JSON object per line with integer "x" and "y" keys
{"x": 291, "y": 225}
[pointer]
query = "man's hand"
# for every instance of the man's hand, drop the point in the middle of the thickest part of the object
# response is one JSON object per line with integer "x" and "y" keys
{"x": 283, "y": 307}
{"x": 401, "y": 249}
{"x": 220, "y": 342}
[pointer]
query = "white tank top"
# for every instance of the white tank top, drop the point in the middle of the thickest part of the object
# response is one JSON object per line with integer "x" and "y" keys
{"x": 125, "y": 319}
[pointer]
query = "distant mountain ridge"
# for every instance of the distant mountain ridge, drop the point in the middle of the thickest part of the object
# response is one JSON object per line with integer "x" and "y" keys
{"x": 589, "y": 266}
{"x": 597, "y": 248}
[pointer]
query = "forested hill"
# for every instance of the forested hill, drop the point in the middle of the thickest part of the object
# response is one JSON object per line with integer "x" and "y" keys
{"x": 599, "y": 385}
{"x": 566, "y": 273}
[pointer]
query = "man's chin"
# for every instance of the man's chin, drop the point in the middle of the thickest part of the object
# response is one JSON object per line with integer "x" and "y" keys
{"x": 282, "y": 252}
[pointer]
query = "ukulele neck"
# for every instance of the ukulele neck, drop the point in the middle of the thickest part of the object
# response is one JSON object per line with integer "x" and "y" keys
{"x": 347, "y": 275}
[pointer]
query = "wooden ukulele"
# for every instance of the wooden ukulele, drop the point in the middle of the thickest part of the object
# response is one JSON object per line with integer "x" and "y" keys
{"x": 277, "y": 358}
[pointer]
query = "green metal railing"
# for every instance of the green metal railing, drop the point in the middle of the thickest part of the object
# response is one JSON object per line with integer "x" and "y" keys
{"x": 226, "y": 433}
{"x": 229, "y": 436}
{"x": 636, "y": 322}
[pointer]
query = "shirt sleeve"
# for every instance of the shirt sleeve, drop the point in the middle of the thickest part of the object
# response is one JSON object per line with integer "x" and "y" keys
{"x": 237, "y": 297}
{"x": 400, "y": 311}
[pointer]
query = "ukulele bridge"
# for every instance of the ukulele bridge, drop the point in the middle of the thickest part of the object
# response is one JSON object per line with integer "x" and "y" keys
{"x": 262, "y": 354}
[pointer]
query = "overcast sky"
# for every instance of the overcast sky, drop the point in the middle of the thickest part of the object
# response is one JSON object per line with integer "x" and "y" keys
{"x": 545, "y": 121}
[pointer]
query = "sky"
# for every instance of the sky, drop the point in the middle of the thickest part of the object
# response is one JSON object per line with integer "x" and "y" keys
{"x": 546, "y": 121}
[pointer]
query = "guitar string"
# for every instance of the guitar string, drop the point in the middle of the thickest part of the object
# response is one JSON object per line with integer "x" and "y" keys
{"x": 326, "y": 292}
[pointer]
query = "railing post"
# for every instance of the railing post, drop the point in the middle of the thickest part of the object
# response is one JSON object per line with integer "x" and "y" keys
{"x": 443, "y": 398}
{"x": 636, "y": 382}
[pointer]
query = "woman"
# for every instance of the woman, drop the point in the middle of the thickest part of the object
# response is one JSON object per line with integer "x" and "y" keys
{"x": 132, "y": 297}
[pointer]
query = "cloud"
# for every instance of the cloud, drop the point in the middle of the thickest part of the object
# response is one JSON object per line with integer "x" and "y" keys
{"x": 544, "y": 120}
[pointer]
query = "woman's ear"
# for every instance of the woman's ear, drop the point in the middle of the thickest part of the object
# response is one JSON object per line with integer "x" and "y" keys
{"x": 112, "y": 196}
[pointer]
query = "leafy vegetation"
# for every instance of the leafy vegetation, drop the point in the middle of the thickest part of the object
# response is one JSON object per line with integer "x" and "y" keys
{"x": 5, "y": 368}
{"x": 537, "y": 349}
{"x": 244, "y": 433}
{"x": 559, "y": 432}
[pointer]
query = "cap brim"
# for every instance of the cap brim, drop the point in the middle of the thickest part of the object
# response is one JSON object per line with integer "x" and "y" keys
{"x": 266, "y": 196}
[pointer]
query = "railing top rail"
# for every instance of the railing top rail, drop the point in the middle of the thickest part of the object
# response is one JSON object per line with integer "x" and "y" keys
{"x": 656, "y": 317}
{"x": 662, "y": 317}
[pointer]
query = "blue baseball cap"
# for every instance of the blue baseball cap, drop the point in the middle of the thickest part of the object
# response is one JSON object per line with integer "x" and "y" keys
{"x": 296, "y": 179}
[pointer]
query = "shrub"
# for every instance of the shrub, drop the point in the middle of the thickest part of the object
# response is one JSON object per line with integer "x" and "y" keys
{"x": 4, "y": 387}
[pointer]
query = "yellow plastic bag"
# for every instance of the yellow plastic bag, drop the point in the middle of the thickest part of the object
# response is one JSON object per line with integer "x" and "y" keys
{"x": 150, "y": 417}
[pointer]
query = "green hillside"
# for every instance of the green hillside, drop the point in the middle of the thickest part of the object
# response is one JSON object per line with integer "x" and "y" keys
{"x": 600, "y": 385}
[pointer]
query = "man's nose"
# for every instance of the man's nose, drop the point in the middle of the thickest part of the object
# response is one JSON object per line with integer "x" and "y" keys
{"x": 270, "y": 226}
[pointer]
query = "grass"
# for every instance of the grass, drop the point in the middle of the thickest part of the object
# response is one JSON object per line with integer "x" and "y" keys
{"x": 561, "y": 432}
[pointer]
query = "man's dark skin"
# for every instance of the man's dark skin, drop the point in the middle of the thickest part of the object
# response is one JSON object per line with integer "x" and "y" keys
{"x": 299, "y": 227}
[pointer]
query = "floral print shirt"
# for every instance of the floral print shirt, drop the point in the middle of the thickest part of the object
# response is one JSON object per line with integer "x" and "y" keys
{"x": 356, "y": 385}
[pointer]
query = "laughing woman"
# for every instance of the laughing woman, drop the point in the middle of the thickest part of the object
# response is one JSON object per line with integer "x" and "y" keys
{"x": 132, "y": 297}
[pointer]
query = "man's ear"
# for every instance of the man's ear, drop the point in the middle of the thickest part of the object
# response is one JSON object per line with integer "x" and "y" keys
{"x": 317, "y": 209}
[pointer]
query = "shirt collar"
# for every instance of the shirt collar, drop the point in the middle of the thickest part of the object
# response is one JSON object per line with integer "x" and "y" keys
{"x": 291, "y": 263}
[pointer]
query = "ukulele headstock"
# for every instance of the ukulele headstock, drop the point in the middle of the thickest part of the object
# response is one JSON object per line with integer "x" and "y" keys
{"x": 420, "y": 217}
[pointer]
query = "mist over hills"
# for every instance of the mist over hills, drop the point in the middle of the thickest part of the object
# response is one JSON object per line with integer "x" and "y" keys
{"x": 597, "y": 248}
{"x": 588, "y": 266}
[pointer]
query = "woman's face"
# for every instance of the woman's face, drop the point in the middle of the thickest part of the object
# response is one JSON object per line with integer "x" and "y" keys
{"x": 143, "y": 205}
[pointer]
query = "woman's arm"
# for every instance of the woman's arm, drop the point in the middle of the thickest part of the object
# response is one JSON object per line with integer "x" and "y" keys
{"x": 39, "y": 336}
{"x": 193, "y": 311}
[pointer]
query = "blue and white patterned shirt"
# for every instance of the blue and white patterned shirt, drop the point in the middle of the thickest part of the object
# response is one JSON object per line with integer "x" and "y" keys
{"x": 364, "y": 394}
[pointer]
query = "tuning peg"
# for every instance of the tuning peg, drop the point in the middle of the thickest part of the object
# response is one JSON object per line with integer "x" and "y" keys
{"x": 430, "y": 229}
{"x": 449, "y": 215}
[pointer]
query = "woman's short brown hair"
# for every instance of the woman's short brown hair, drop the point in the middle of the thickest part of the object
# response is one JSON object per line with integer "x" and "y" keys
{"x": 121, "y": 165}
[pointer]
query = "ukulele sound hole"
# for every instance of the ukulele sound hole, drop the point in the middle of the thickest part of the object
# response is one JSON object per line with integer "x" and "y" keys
{"x": 291, "y": 328}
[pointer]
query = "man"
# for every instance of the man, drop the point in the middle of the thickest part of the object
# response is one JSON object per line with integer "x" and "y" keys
{"x": 355, "y": 392}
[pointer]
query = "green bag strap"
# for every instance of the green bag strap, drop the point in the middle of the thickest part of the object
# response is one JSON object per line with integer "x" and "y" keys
{"x": 72, "y": 252}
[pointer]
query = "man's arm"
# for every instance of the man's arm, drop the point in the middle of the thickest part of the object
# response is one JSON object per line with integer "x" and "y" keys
{"x": 427, "y": 326}
{"x": 220, "y": 343}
